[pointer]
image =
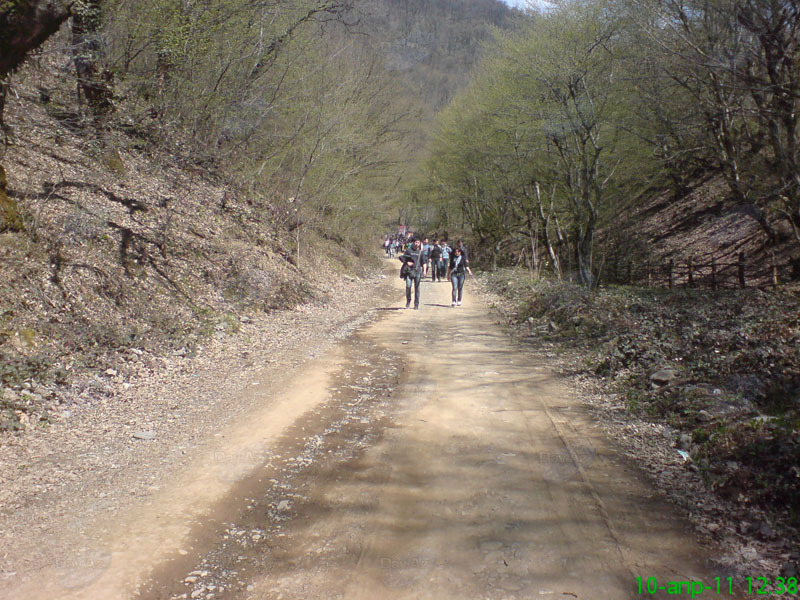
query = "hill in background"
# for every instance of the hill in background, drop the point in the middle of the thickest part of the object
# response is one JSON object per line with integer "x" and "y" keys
{"x": 433, "y": 43}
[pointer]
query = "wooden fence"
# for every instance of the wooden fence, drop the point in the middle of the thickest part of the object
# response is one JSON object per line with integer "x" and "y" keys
{"x": 690, "y": 272}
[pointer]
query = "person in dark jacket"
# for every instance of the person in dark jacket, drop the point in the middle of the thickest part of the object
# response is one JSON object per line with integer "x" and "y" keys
{"x": 412, "y": 265}
{"x": 458, "y": 272}
{"x": 436, "y": 262}
{"x": 460, "y": 244}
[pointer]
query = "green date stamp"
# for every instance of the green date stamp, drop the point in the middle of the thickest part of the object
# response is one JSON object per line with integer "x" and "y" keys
{"x": 754, "y": 586}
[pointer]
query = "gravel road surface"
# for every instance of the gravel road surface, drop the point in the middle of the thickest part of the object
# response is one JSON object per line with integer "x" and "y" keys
{"x": 426, "y": 455}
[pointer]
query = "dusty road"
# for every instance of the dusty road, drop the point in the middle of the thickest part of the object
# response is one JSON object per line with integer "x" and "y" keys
{"x": 429, "y": 456}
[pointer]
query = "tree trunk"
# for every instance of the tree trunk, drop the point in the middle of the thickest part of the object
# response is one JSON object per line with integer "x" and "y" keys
{"x": 24, "y": 26}
{"x": 583, "y": 260}
{"x": 533, "y": 235}
{"x": 753, "y": 211}
{"x": 545, "y": 221}
{"x": 584, "y": 244}
{"x": 2, "y": 108}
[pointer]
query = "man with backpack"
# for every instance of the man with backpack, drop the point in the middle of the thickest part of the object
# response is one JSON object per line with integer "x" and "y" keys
{"x": 412, "y": 270}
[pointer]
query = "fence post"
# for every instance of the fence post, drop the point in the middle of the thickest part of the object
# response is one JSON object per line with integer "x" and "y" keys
{"x": 741, "y": 270}
{"x": 690, "y": 280}
{"x": 649, "y": 274}
{"x": 713, "y": 273}
{"x": 670, "y": 267}
{"x": 630, "y": 273}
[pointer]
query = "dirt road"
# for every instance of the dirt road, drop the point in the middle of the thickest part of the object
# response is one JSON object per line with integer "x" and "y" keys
{"x": 429, "y": 456}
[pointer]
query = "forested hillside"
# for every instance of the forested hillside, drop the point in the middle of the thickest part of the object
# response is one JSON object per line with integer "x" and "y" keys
{"x": 433, "y": 43}
{"x": 583, "y": 114}
{"x": 169, "y": 167}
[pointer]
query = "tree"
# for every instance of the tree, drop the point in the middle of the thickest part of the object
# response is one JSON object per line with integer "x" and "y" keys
{"x": 94, "y": 81}
{"x": 771, "y": 72}
{"x": 533, "y": 147}
{"x": 736, "y": 61}
{"x": 574, "y": 74}
{"x": 335, "y": 143}
{"x": 24, "y": 26}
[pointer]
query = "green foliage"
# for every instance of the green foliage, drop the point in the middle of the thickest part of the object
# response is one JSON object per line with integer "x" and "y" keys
{"x": 588, "y": 105}
{"x": 536, "y": 152}
{"x": 113, "y": 160}
{"x": 10, "y": 217}
{"x": 303, "y": 115}
{"x": 341, "y": 140}
{"x": 15, "y": 370}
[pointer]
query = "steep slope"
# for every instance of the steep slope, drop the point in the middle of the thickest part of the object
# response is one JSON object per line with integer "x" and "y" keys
{"x": 126, "y": 246}
{"x": 701, "y": 225}
{"x": 433, "y": 43}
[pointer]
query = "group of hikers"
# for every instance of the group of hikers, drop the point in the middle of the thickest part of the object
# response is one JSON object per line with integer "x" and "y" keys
{"x": 421, "y": 258}
{"x": 394, "y": 244}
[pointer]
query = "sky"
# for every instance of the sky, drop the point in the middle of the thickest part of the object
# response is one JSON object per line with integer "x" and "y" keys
{"x": 517, "y": 3}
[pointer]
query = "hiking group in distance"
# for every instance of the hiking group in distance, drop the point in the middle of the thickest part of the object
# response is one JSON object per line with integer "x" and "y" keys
{"x": 420, "y": 259}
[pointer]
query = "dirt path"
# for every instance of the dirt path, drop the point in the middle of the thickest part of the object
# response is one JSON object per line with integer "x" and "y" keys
{"x": 428, "y": 456}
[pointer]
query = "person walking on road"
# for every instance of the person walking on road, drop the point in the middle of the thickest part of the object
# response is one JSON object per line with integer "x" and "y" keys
{"x": 412, "y": 266}
{"x": 426, "y": 255}
{"x": 436, "y": 261}
{"x": 445, "y": 262}
{"x": 463, "y": 248}
{"x": 458, "y": 272}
